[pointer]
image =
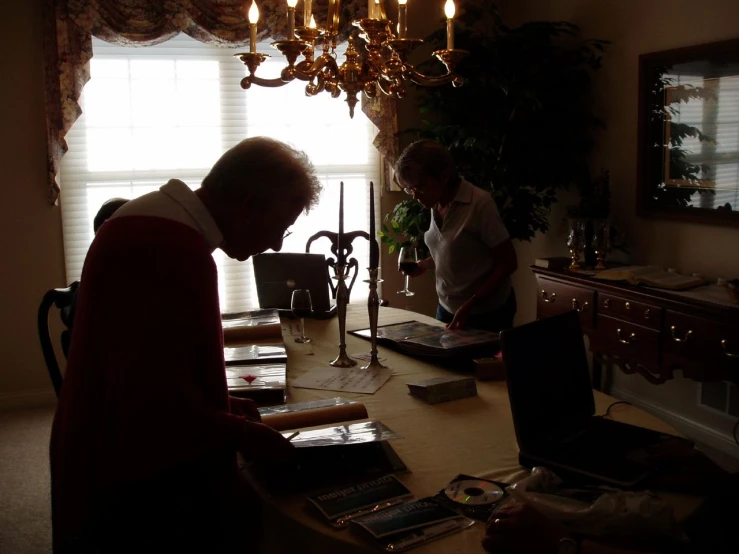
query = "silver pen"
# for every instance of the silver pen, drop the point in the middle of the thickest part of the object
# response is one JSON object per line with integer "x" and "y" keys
{"x": 295, "y": 434}
{"x": 431, "y": 532}
{"x": 343, "y": 520}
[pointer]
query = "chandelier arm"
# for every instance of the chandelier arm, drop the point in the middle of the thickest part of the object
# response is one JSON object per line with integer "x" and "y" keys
{"x": 249, "y": 80}
{"x": 429, "y": 81}
{"x": 323, "y": 64}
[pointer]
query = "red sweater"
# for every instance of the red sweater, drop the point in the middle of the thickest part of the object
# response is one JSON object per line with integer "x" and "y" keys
{"x": 145, "y": 386}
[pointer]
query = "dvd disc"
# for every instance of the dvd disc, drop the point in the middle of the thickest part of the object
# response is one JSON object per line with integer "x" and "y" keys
{"x": 473, "y": 492}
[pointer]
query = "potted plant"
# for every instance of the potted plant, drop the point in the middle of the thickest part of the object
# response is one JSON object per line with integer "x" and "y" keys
{"x": 521, "y": 126}
{"x": 405, "y": 226}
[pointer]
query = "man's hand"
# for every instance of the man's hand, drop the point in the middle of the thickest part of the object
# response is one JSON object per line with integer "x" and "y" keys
{"x": 421, "y": 267}
{"x": 520, "y": 529}
{"x": 244, "y": 407}
{"x": 461, "y": 316}
{"x": 265, "y": 446}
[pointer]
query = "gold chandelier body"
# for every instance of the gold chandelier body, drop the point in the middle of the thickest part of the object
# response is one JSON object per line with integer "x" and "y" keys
{"x": 383, "y": 65}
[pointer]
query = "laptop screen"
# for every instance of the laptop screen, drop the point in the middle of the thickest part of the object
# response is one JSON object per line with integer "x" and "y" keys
{"x": 548, "y": 378}
{"x": 279, "y": 274}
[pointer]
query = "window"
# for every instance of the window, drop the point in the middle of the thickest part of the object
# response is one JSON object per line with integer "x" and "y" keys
{"x": 169, "y": 111}
{"x": 709, "y": 105}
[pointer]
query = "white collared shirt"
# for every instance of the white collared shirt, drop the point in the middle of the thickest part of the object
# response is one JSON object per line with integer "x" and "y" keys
{"x": 176, "y": 201}
{"x": 461, "y": 249}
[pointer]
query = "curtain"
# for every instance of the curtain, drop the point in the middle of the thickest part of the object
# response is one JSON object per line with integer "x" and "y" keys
{"x": 71, "y": 24}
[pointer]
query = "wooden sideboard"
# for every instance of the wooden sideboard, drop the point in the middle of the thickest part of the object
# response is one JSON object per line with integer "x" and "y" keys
{"x": 645, "y": 330}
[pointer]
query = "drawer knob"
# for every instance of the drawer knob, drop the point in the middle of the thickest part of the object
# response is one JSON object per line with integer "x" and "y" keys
{"x": 673, "y": 330}
{"x": 607, "y": 303}
{"x": 576, "y": 306}
{"x": 628, "y": 305}
{"x": 647, "y": 314}
{"x": 631, "y": 338}
{"x": 548, "y": 300}
{"x": 724, "y": 344}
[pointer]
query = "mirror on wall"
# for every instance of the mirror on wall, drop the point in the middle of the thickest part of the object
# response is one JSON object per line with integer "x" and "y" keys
{"x": 689, "y": 134}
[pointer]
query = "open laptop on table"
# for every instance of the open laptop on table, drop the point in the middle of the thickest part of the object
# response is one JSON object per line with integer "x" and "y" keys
{"x": 554, "y": 409}
{"x": 279, "y": 274}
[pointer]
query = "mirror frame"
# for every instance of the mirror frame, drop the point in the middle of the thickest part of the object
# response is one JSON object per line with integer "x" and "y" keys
{"x": 650, "y": 160}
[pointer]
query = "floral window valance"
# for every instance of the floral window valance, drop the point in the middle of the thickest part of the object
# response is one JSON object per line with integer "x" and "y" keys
{"x": 71, "y": 24}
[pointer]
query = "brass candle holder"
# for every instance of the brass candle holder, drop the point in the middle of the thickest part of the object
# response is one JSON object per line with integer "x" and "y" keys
{"x": 373, "y": 308}
{"x": 342, "y": 300}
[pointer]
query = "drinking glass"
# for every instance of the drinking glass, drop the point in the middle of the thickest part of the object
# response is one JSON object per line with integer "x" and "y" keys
{"x": 302, "y": 307}
{"x": 407, "y": 264}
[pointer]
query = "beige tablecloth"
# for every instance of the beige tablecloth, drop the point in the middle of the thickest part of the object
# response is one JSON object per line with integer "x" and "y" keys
{"x": 472, "y": 435}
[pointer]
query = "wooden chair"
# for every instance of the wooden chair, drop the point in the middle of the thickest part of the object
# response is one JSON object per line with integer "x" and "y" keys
{"x": 347, "y": 247}
{"x": 64, "y": 299}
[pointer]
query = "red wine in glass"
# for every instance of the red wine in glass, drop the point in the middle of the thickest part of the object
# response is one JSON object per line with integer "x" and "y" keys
{"x": 408, "y": 268}
{"x": 407, "y": 263}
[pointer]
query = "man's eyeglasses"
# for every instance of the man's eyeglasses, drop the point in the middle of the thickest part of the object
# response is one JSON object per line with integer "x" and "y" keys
{"x": 287, "y": 234}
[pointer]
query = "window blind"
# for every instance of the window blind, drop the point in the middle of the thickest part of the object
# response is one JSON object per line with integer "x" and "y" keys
{"x": 169, "y": 111}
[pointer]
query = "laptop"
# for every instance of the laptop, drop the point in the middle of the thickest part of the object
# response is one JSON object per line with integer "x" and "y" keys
{"x": 279, "y": 274}
{"x": 553, "y": 408}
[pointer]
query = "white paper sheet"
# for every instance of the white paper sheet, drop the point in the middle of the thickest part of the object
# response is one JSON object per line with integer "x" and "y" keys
{"x": 355, "y": 379}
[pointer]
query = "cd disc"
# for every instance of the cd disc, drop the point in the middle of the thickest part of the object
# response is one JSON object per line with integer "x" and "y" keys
{"x": 473, "y": 492}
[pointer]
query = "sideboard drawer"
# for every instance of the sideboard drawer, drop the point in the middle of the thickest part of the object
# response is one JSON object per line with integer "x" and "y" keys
{"x": 630, "y": 342}
{"x": 554, "y": 297}
{"x": 706, "y": 350}
{"x": 646, "y": 315}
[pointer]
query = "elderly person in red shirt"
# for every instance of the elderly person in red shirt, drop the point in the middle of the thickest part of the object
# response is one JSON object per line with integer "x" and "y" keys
{"x": 145, "y": 437}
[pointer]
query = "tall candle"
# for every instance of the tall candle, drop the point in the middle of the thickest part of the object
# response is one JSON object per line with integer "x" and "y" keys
{"x": 402, "y": 18}
{"x": 370, "y": 9}
{"x": 307, "y": 12}
{"x": 253, "y": 18}
{"x": 341, "y": 224}
{"x": 374, "y": 249}
{"x": 449, "y": 10}
{"x": 291, "y": 19}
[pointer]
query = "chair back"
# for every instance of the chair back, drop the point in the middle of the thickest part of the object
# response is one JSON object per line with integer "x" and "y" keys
{"x": 64, "y": 300}
{"x": 352, "y": 267}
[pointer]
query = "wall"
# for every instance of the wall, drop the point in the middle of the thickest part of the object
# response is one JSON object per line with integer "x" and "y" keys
{"x": 30, "y": 229}
{"x": 636, "y": 27}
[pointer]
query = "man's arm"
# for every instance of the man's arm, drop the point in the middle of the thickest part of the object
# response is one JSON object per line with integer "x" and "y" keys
{"x": 506, "y": 262}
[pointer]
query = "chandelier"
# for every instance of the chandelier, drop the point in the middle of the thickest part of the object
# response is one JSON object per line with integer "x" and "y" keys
{"x": 382, "y": 65}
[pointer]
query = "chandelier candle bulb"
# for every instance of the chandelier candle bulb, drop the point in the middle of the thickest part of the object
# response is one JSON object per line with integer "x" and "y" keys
{"x": 449, "y": 10}
{"x": 308, "y": 14}
{"x": 253, "y": 18}
{"x": 402, "y": 18}
{"x": 291, "y": 19}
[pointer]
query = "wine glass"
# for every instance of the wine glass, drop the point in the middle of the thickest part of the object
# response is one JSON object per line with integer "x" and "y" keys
{"x": 407, "y": 264}
{"x": 302, "y": 307}
{"x": 601, "y": 241}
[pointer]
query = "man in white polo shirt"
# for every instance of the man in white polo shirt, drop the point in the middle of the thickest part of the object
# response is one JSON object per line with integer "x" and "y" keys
{"x": 144, "y": 440}
{"x": 471, "y": 250}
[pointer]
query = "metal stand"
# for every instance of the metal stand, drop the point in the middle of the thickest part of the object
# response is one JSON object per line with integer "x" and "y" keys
{"x": 342, "y": 300}
{"x": 373, "y": 308}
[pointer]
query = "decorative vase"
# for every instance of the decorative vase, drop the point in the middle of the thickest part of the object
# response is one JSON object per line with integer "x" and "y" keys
{"x": 576, "y": 241}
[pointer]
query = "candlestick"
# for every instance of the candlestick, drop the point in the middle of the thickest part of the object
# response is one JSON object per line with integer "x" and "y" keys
{"x": 307, "y": 12}
{"x": 253, "y": 18}
{"x": 449, "y": 10}
{"x": 373, "y": 308}
{"x": 402, "y": 18}
{"x": 374, "y": 248}
{"x": 291, "y": 19}
{"x": 342, "y": 300}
